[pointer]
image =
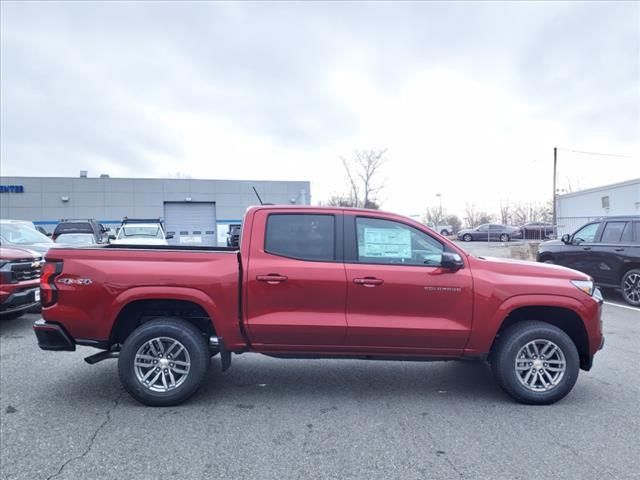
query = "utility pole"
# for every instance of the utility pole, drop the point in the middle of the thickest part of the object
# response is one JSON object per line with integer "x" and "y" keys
{"x": 555, "y": 169}
{"x": 441, "y": 220}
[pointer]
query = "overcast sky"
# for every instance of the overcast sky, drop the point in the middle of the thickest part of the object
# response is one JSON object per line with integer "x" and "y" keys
{"x": 468, "y": 98}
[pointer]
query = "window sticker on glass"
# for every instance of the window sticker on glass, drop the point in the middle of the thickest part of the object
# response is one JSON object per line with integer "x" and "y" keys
{"x": 386, "y": 243}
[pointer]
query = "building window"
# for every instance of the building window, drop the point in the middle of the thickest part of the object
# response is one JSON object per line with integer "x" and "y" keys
{"x": 605, "y": 202}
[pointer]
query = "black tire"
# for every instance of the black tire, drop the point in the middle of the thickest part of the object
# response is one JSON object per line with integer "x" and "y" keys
{"x": 504, "y": 237}
{"x": 444, "y": 232}
{"x": 175, "y": 329}
{"x": 507, "y": 349}
{"x": 630, "y": 286}
{"x": 467, "y": 237}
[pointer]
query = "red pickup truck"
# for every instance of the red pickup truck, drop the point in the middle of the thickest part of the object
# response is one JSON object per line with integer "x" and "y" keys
{"x": 319, "y": 282}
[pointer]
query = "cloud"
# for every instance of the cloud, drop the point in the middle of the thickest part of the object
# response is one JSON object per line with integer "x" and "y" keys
{"x": 465, "y": 96}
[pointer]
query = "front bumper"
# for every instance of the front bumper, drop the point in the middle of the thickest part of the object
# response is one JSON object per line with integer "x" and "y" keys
{"x": 52, "y": 336}
{"x": 20, "y": 301}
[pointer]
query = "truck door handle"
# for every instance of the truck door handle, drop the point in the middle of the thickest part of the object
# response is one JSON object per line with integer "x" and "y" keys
{"x": 368, "y": 281}
{"x": 619, "y": 249}
{"x": 272, "y": 278}
{"x": 586, "y": 248}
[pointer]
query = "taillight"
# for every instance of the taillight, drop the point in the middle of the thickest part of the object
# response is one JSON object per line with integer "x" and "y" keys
{"x": 48, "y": 290}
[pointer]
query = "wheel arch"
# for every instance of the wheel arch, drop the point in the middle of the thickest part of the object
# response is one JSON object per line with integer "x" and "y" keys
{"x": 566, "y": 319}
{"x": 139, "y": 305}
{"x": 629, "y": 266}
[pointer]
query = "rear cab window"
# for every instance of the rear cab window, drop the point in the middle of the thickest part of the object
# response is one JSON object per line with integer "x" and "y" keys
{"x": 73, "y": 227}
{"x": 301, "y": 236}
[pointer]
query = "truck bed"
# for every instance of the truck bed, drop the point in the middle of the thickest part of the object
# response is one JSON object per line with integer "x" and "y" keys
{"x": 97, "y": 283}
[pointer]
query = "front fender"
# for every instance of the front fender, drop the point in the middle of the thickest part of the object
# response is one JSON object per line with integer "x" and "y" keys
{"x": 486, "y": 326}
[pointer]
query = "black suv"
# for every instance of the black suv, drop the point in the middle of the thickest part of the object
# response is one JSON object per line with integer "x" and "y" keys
{"x": 85, "y": 225}
{"x": 608, "y": 249}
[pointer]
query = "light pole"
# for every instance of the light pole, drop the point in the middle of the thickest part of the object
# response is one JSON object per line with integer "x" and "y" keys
{"x": 440, "y": 219}
{"x": 555, "y": 193}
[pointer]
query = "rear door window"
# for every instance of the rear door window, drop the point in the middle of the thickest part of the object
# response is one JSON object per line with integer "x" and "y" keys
{"x": 303, "y": 237}
{"x": 612, "y": 232}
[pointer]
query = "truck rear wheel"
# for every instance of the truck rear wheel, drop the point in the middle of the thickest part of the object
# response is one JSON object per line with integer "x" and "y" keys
{"x": 535, "y": 362}
{"x": 164, "y": 362}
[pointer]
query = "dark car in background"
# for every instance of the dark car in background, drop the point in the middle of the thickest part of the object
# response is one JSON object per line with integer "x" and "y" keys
{"x": 233, "y": 235}
{"x": 608, "y": 249}
{"x": 490, "y": 232}
{"x": 538, "y": 231}
{"x": 84, "y": 225}
{"x": 19, "y": 281}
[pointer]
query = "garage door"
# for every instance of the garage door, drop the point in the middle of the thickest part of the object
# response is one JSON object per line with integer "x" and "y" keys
{"x": 192, "y": 223}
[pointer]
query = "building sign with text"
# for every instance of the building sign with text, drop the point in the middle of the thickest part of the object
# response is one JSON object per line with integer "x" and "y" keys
{"x": 11, "y": 189}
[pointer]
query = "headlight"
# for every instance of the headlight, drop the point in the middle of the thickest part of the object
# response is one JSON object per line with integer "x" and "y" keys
{"x": 585, "y": 285}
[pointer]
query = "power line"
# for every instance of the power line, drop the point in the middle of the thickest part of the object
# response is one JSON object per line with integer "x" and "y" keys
{"x": 598, "y": 153}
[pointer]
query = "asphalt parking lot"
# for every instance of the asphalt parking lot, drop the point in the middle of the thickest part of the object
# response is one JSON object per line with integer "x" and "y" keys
{"x": 277, "y": 419}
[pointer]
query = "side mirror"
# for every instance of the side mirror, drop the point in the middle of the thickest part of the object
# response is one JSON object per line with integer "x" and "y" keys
{"x": 168, "y": 236}
{"x": 566, "y": 238}
{"x": 451, "y": 261}
{"x": 112, "y": 237}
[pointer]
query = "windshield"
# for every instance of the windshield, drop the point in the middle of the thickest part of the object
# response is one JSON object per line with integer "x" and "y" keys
{"x": 75, "y": 238}
{"x": 20, "y": 234}
{"x": 146, "y": 231}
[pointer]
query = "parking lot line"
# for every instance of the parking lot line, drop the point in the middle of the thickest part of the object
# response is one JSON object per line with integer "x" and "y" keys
{"x": 623, "y": 306}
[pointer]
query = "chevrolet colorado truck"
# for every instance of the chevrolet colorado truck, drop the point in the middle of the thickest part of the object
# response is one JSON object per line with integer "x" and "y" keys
{"x": 309, "y": 282}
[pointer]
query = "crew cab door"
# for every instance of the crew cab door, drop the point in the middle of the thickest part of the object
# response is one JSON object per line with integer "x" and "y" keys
{"x": 296, "y": 283}
{"x": 608, "y": 255}
{"x": 578, "y": 254}
{"x": 399, "y": 298}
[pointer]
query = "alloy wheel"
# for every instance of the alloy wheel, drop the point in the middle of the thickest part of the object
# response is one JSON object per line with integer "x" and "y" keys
{"x": 631, "y": 288}
{"x": 540, "y": 365}
{"x": 162, "y": 364}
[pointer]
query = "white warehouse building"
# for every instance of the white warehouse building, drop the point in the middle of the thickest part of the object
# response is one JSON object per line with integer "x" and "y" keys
{"x": 576, "y": 208}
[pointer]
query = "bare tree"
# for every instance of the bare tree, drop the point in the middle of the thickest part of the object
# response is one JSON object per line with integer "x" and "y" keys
{"x": 433, "y": 214}
{"x": 505, "y": 212}
{"x": 340, "y": 201}
{"x": 474, "y": 217}
{"x": 363, "y": 171}
{"x": 454, "y": 221}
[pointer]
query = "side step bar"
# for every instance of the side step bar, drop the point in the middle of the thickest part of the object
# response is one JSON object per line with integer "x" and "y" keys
{"x": 100, "y": 356}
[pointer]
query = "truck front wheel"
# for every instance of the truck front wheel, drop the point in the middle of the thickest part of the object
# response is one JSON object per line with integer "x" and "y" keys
{"x": 163, "y": 362}
{"x": 535, "y": 362}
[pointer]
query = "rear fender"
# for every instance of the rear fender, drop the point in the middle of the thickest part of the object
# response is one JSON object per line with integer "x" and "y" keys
{"x": 169, "y": 293}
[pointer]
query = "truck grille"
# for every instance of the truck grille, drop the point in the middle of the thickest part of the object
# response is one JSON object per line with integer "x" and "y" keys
{"x": 29, "y": 270}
